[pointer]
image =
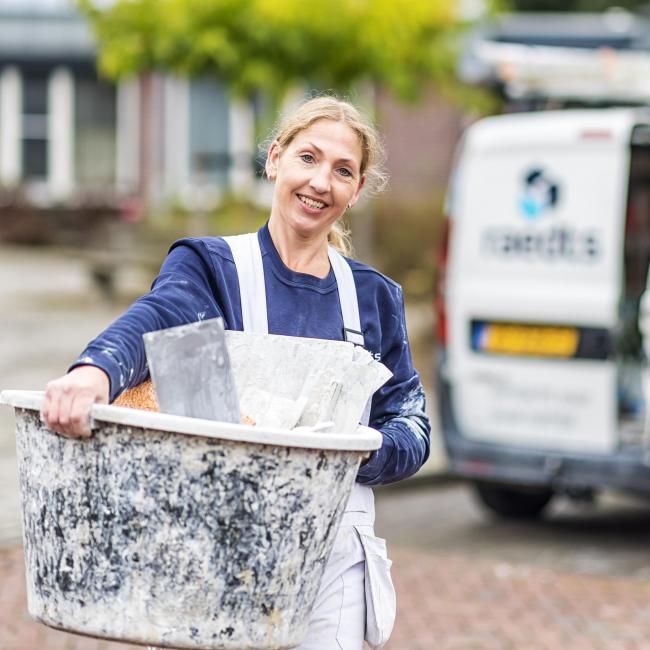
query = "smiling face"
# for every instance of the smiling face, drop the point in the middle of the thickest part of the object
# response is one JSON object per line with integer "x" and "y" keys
{"x": 317, "y": 175}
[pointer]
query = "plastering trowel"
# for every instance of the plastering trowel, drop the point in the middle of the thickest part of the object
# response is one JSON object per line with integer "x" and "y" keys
{"x": 191, "y": 372}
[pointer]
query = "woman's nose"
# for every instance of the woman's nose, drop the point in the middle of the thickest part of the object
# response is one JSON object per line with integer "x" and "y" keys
{"x": 320, "y": 180}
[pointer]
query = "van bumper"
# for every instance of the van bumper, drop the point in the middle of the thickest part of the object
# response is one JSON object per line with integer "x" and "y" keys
{"x": 626, "y": 469}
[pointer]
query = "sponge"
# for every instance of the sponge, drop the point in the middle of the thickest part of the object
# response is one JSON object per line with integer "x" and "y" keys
{"x": 141, "y": 397}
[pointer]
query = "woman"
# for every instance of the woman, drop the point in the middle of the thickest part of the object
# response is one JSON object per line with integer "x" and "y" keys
{"x": 289, "y": 279}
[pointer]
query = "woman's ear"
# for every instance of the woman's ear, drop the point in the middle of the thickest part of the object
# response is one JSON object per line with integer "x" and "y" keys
{"x": 272, "y": 159}
{"x": 357, "y": 193}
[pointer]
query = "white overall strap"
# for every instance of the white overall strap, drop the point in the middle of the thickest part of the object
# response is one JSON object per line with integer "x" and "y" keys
{"x": 252, "y": 292}
{"x": 347, "y": 296}
{"x": 349, "y": 307}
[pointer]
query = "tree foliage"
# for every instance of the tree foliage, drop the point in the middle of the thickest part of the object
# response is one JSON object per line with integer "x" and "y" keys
{"x": 270, "y": 45}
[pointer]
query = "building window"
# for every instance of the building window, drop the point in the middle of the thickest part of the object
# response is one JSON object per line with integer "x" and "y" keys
{"x": 35, "y": 137}
{"x": 35, "y": 158}
{"x": 261, "y": 113}
{"x": 35, "y": 95}
{"x": 95, "y": 127}
{"x": 209, "y": 123}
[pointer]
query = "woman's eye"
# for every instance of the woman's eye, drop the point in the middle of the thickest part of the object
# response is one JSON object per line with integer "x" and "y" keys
{"x": 344, "y": 171}
{"x": 307, "y": 157}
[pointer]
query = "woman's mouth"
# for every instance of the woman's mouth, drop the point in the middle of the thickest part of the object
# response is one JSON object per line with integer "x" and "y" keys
{"x": 311, "y": 203}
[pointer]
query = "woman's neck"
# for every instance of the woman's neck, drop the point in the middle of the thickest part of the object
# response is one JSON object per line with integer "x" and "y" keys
{"x": 299, "y": 254}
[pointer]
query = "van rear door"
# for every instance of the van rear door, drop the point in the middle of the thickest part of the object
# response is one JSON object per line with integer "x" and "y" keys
{"x": 534, "y": 279}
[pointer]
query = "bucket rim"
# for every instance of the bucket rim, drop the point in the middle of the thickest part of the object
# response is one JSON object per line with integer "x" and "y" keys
{"x": 364, "y": 438}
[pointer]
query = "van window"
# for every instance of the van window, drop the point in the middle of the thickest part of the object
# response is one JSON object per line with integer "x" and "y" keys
{"x": 636, "y": 256}
{"x": 637, "y": 240}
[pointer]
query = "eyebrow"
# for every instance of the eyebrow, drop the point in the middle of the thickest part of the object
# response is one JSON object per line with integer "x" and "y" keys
{"x": 347, "y": 161}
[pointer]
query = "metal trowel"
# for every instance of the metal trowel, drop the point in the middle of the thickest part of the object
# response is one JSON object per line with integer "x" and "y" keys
{"x": 191, "y": 372}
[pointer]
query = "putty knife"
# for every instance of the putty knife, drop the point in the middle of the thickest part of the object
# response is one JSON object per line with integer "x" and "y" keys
{"x": 190, "y": 370}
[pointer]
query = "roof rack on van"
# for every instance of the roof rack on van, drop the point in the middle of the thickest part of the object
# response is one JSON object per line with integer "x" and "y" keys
{"x": 598, "y": 58}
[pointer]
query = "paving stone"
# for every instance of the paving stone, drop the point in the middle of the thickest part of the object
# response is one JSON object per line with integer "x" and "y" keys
{"x": 445, "y": 602}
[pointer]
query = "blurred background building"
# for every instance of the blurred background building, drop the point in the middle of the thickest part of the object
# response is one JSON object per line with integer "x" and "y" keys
{"x": 65, "y": 132}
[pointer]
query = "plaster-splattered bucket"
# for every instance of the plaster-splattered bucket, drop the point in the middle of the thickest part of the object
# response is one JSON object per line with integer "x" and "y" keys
{"x": 179, "y": 532}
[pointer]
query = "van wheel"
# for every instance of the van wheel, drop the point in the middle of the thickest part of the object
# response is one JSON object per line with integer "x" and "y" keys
{"x": 514, "y": 502}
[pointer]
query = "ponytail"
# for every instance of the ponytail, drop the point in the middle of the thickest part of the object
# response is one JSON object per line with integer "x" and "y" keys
{"x": 339, "y": 237}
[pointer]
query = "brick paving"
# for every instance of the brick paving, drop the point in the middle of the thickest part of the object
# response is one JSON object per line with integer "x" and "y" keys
{"x": 445, "y": 602}
{"x": 451, "y": 602}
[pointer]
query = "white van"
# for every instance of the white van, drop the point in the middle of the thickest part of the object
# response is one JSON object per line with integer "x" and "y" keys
{"x": 540, "y": 358}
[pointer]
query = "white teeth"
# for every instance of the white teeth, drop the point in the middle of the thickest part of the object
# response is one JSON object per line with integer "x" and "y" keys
{"x": 310, "y": 202}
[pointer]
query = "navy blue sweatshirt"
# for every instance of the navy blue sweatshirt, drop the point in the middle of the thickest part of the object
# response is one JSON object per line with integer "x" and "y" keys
{"x": 198, "y": 280}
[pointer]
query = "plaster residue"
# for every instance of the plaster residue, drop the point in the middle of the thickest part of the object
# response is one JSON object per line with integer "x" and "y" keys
{"x": 291, "y": 381}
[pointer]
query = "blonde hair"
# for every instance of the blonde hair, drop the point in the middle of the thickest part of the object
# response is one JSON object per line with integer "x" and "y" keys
{"x": 328, "y": 107}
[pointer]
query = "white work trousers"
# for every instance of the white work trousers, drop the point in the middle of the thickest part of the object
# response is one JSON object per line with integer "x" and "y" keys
{"x": 338, "y": 618}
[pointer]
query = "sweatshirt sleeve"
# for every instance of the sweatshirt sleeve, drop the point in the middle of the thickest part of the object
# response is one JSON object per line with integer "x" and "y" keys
{"x": 398, "y": 411}
{"x": 182, "y": 293}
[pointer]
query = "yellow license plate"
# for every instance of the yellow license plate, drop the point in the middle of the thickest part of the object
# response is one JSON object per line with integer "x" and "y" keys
{"x": 529, "y": 340}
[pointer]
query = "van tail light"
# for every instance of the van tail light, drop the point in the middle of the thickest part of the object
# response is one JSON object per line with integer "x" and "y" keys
{"x": 439, "y": 303}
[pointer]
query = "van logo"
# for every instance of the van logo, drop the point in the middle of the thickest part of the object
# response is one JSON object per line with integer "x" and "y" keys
{"x": 540, "y": 194}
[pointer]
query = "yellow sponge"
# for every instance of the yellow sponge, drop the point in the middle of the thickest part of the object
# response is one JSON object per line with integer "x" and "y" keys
{"x": 141, "y": 397}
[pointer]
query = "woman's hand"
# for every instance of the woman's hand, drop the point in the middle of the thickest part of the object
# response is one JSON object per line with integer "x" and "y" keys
{"x": 68, "y": 400}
